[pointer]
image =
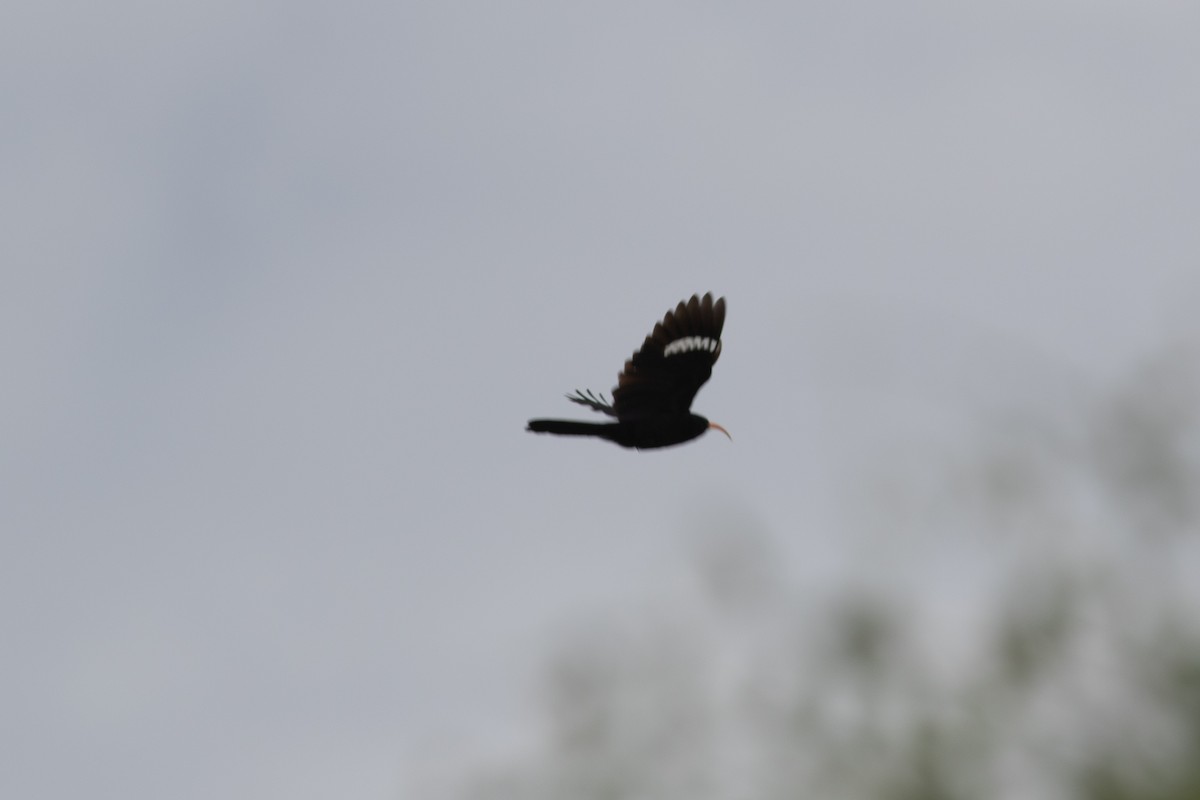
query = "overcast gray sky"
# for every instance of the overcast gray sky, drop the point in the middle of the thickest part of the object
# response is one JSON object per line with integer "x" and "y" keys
{"x": 283, "y": 281}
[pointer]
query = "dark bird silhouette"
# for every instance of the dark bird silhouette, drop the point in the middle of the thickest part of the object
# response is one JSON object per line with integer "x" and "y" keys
{"x": 653, "y": 395}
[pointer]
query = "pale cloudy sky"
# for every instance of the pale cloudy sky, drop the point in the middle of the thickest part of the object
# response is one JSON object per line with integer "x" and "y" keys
{"x": 283, "y": 282}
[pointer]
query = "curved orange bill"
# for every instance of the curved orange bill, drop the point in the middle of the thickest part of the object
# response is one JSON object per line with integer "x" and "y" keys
{"x": 722, "y": 430}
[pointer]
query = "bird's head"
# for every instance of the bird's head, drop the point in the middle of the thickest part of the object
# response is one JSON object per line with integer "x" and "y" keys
{"x": 699, "y": 425}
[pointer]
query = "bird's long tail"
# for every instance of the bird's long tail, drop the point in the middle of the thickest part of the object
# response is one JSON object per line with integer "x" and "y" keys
{"x": 566, "y": 427}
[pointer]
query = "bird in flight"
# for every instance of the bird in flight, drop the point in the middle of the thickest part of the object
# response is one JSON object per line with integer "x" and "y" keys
{"x": 653, "y": 396}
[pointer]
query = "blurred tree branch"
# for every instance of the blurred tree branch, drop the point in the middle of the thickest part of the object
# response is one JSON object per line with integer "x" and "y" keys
{"x": 1078, "y": 678}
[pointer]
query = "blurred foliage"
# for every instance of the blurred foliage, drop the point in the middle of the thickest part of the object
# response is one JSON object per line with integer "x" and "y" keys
{"x": 1076, "y": 673}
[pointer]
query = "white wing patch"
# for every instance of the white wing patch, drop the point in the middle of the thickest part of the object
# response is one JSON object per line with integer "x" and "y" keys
{"x": 690, "y": 344}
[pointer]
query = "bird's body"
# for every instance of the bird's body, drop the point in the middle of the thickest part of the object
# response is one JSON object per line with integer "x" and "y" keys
{"x": 644, "y": 434}
{"x": 653, "y": 396}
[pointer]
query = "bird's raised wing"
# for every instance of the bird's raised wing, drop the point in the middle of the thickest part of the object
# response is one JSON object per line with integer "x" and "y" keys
{"x": 673, "y": 363}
